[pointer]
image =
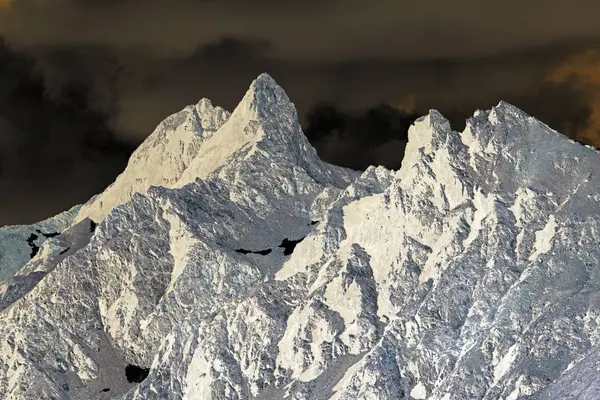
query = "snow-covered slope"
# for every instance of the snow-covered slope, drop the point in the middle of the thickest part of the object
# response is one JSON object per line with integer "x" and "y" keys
{"x": 253, "y": 270}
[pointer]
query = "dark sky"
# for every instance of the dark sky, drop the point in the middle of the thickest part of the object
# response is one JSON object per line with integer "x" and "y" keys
{"x": 83, "y": 82}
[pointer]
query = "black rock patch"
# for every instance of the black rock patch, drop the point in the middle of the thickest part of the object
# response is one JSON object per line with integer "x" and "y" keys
{"x": 33, "y": 237}
{"x": 289, "y": 245}
{"x": 48, "y": 235}
{"x": 261, "y": 252}
{"x": 34, "y": 248}
{"x": 136, "y": 374}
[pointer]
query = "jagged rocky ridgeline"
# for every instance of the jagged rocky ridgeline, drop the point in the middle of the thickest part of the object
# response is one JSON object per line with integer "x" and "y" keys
{"x": 229, "y": 262}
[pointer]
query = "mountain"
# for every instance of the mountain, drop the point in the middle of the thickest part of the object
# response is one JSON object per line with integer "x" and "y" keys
{"x": 18, "y": 244}
{"x": 161, "y": 158}
{"x": 229, "y": 262}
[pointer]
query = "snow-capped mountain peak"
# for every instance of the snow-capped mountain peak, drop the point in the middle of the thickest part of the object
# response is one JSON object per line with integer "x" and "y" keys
{"x": 230, "y": 262}
{"x": 161, "y": 158}
{"x": 265, "y": 99}
{"x": 204, "y": 119}
{"x": 201, "y": 138}
{"x": 263, "y": 126}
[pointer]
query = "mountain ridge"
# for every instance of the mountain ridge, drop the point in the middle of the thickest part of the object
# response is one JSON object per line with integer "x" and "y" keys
{"x": 260, "y": 271}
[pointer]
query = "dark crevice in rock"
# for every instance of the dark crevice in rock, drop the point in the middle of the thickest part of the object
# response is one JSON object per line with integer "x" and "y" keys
{"x": 33, "y": 237}
{"x": 314, "y": 222}
{"x": 48, "y": 235}
{"x": 93, "y": 226}
{"x": 289, "y": 245}
{"x": 64, "y": 251}
{"x": 261, "y": 252}
{"x": 136, "y": 374}
{"x": 34, "y": 248}
{"x": 105, "y": 390}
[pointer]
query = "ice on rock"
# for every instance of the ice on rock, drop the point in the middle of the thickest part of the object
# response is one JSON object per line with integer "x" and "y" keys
{"x": 470, "y": 273}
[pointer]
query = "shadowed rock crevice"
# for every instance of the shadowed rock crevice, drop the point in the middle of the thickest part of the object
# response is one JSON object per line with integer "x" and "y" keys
{"x": 33, "y": 237}
{"x": 48, "y": 235}
{"x": 261, "y": 252}
{"x": 289, "y": 245}
{"x": 34, "y": 248}
{"x": 136, "y": 374}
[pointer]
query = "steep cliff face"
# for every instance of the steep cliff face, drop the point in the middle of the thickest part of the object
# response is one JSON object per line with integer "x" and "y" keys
{"x": 230, "y": 262}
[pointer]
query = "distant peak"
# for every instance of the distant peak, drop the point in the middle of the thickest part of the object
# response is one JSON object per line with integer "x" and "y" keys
{"x": 435, "y": 115}
{"x": 504, "y": 111}
{"x": 205, "y": 118}
{"x": 504, "y": 104}
{"x": 205, "y": 104}
{"x": 505, "y": 107}
{"x": 264, "y": 83}
{"x": 265, "y": 78}
{"x": 434, "y": 119}
{"x": 267, "y": 99}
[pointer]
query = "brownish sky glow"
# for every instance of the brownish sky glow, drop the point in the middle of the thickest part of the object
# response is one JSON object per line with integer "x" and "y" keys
{"x": 583, "y": 71}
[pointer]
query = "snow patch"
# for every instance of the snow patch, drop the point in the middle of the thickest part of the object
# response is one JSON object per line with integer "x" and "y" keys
{"x": 543, "y": 239}
{"x": 419, "y": 392}
{"x": 484, "y": 205}
{"x": 503, "y": 366}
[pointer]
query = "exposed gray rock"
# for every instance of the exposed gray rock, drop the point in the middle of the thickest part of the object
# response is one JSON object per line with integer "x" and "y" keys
{"x": 470, "y": 273}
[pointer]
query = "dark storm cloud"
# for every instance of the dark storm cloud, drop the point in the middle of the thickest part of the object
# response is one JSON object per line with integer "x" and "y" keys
{"x": 320, "y": 30}
{"x": 53, "y": 148}
{"x": 377, "y": 136}
{"x": 106, "y": 72}
{"x": 145, "y": 88}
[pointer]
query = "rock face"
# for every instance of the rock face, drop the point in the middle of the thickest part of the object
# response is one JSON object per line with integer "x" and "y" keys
{"x": 162, "y": 158}
{"x": 229, "y": 262}
{"x": 18, "y": 243}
